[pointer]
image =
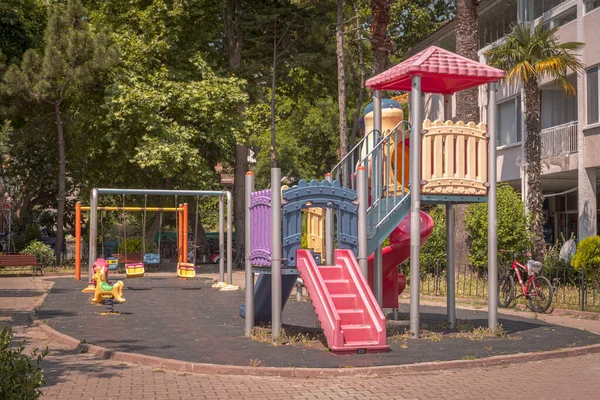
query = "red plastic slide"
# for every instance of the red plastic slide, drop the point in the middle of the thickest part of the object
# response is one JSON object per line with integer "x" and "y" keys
{"x": 398, "y": 251}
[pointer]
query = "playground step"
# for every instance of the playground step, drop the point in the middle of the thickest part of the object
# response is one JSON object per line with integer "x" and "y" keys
{"x": 351, "y": 316}
{"x": 357, "y": 333}
{"x": 337, "y": 285}
{"x": 346, "y": 308}
{"x": 344, "y": 301}
{"x": 331, "y": 272}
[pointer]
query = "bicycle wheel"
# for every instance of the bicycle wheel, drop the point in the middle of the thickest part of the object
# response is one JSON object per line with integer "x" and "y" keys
{"x": 540, "y": 295}
{"x": 506, "y": 290}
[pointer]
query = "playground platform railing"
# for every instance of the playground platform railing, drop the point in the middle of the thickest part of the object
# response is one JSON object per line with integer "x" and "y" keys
{"x": 386, "y": 160}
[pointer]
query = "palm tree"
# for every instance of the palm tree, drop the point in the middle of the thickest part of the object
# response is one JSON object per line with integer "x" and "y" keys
{"x": 529, "y": 54}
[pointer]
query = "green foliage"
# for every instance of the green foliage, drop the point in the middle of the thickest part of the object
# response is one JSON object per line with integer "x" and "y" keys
{"x": 434, "y": 250}
{"x": 511, "y": 224}
{"x": 43, "y": 253}
{"x": 29, "y": 234}
{"x": 413, "y": 20}
{"x": 134, "y": 245}
{"x": 20, "y": 374}
{"x": 587, "y": 257}
{"x": 528, "y": 54}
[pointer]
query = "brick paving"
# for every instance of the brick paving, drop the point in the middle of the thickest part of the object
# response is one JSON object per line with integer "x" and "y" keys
{"x": 80, "y": 376}
{"x": 71, "y": 375}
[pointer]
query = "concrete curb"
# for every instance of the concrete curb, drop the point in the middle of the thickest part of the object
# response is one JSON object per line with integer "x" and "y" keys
{"x": 294, "y": 372}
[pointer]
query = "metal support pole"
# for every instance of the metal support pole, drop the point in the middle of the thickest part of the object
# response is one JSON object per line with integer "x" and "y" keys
{"x": 249, "y": 275}
{"x": 180, "y": 235}
{"x": 447, "y": 107}
{"x": 229, "y": 239}
{"x": 376, "y": 171}
{"x": 415, "y": 204}
{"x": 450, "y": 270}
{"x": 361, "y": 189}
{"x": 492, "y": 228}
{"x": 93, "y": 231}
{"x": 78, "y": 241}
{"x": 329, "y": 230}
{"x": 276, "y": 253}
{"x": 221, "y": 240}
{"x": 450, "y": 267}
{"x": 185, "y": 232}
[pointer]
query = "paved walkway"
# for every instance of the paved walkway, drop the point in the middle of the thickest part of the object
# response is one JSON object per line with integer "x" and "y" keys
{"x": 81, "y": 376}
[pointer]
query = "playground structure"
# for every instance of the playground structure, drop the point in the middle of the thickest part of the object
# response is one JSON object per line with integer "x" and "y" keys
{"x": 372, "y": 192}
{"x": 184, "y": 269}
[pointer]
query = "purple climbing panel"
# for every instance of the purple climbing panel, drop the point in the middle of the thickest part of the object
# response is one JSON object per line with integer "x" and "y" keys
{"x": 260, "y": 222}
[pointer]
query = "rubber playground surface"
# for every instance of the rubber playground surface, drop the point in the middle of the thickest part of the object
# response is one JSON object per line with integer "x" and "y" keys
{"x": 190, "y": 321}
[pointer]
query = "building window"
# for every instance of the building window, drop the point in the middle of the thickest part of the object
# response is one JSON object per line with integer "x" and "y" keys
{"x": 591, "y": 5}
{"x": 592, "y": 95}
{"x": 541, "y": 6}
{"x": 509, "y": 121}
{"x": 495, "y": 22}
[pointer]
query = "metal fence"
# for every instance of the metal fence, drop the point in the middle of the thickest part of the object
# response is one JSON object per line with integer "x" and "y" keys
{"x": 572, "y": 289}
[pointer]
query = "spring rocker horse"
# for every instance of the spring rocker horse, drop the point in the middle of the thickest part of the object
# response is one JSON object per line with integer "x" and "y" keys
{"x": 103, "y": 290}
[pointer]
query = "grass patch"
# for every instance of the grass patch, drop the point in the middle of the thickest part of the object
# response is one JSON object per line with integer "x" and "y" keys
{"x": 290, "y": 335}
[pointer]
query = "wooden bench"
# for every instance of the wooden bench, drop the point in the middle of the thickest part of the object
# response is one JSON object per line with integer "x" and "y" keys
{"x": 20, "y": 261}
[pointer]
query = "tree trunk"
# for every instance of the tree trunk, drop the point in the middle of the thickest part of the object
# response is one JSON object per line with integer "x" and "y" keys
{"x": 533, "y": 167}
{"x": 234, "y": 41}
{"x": 381, "y": 43}
{"x": 339, "y": 49}
{"x": 467, "y": 109}
{"x": 467, "y": 102}
{"x": 363, "y": 77}
{"x": 239, "y": 187}
{"x": 62, "y": 191}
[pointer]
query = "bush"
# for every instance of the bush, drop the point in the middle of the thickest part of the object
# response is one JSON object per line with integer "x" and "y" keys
{"x": 434, "y": 250}
{"x": 30, "y": 233}
{"x": 557, "y": 267}
{"x": 513, "y": 232}
{"x": 20, "y": 374}
{"x": 134, "y": 245}
{"x": 43, "y": 253}
{"x": 587, "y": 256}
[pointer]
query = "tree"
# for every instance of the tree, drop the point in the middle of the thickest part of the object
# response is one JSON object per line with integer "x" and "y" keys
{"x": 467, "y": 101}
{"x": 341, "y": 78}
{"x": 381, "y": 43}
{"x": 511, "y": 224}
{"x": 71, "y": 59}
{"x": 529, "y": 55}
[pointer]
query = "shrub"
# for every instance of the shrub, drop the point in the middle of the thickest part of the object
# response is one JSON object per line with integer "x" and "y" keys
{"x": 134, "y": 245}
{"x": 43, "y": 253}
{"x": 20, "y": 374}
{"x": 30, "y": 233}
{"x": 434, "y": 251}
{"x": 554, "y": 266}
{"x": 587, "y": 256}
{"x": 513, "y": 234}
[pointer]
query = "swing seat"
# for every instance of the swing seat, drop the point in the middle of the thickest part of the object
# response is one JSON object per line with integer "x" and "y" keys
{"x": 152, "y": 258}
{"x": 134, "y": 270}
{"x": 186, "y": 270}
{"x": 113, "y": 263}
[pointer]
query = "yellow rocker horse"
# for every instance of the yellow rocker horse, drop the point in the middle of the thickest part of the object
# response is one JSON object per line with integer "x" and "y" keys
{"x": 104, "y": 290}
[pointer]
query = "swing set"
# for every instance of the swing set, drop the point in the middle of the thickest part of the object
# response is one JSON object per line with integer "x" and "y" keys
{"x": 135, "y": 262}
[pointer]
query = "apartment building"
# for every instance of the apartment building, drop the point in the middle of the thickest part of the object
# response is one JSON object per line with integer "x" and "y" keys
{"x": 570, "y": 124}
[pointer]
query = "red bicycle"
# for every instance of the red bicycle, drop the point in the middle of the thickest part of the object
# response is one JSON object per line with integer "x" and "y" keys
{"x": 538, "y": 289}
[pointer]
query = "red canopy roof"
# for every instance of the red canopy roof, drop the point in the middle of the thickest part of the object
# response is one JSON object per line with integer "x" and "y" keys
{"x": 441, "y": 72}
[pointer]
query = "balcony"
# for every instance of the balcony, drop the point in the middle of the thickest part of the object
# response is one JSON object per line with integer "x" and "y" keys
{"x": 559, "y": 140}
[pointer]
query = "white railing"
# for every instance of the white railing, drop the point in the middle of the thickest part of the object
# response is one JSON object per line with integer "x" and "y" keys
{"x": 559, "y": 140}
